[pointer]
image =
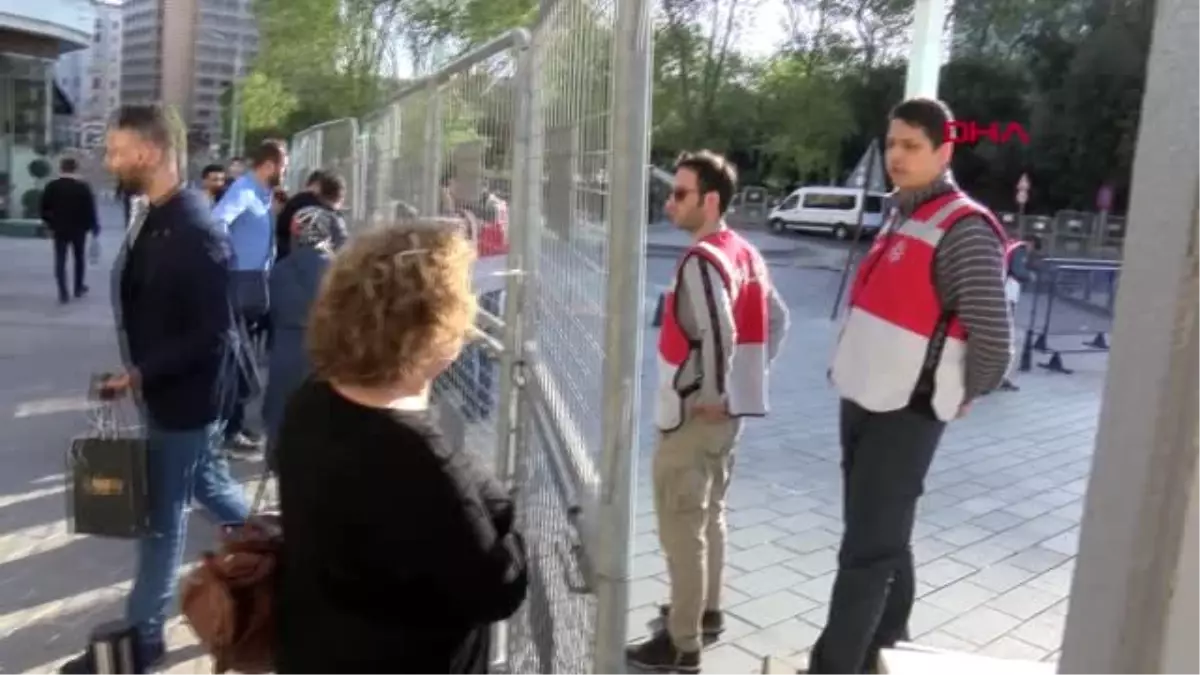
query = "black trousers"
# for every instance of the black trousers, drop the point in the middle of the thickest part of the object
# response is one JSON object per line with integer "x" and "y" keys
{"x": 885, "y": 457}
{"x": 76, "y": 243}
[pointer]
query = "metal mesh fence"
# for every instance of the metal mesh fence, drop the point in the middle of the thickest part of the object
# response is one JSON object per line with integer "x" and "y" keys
{"x": 557, "y": 472}
{"x": 332, "y": 146}
{"x": 589, "y": 184}
{"x": 466, "y": 126}
{"x": 395, "y": 158}
{"x": 1066, "y": 310}
{"x": 550, "y": 135}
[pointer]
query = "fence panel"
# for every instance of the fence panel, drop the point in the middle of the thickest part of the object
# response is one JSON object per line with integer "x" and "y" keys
{"x": 455, "y": 155}
{"x": 395, "y": 157}
{"x": 446, "y": 146}
{"x": 588, "y": 155}
{"x": 553, "y": 139}
{"x": 332, "y": 146}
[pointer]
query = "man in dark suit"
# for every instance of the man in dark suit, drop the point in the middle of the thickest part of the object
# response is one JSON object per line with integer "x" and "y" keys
{"x": 179, "y": 348}
{"x": 69, "y": 211}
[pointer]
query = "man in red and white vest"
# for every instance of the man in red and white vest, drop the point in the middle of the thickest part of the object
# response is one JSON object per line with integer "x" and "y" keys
{"x": 722, "y": 325}
{"x": 927, "y": 332}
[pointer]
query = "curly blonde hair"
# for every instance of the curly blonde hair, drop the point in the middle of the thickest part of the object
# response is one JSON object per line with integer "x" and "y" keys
{"x": 393, "y": 297}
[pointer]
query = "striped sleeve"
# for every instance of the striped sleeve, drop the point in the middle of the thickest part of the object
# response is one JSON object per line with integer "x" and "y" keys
{"x": 969, "y": 273}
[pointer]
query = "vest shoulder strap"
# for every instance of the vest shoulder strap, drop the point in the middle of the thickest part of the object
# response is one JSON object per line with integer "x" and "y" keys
{"x": 952, "y": 207}
{"x": 715, "y": 255}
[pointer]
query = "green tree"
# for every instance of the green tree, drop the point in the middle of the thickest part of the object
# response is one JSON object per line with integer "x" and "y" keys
{"x": 805, "y": 119}
{"x": 319, "y": 60}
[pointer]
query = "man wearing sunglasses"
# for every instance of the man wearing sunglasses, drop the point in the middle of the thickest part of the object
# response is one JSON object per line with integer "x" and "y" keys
{"x": 722, "y": 325}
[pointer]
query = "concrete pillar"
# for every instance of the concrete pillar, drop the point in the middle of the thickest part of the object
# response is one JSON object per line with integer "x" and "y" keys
{"x": 1134, "y": 596}
{"x": 925, "y": 54}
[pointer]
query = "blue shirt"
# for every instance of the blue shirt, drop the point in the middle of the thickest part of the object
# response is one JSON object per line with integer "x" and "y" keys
{"x": 244, "y": 212}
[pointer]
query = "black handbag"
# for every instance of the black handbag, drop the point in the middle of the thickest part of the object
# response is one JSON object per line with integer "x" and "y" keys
{"x": 108, "y": 490}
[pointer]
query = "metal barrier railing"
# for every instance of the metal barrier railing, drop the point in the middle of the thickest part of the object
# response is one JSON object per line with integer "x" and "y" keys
{"x": 543, "y": 137}
{"x": 1088, "y": 287}
{"x": 1077, "y": 234}
{"x": 333, "y": 146}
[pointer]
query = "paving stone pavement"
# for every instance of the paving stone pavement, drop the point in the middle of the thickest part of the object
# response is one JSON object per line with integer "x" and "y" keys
{"x": 995, "y": 541}
{"x": 55, "y": 586}
{"x": 997, "y": 529}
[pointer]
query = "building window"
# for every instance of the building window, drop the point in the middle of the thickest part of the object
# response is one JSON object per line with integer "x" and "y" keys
{"x": 97, "y": 83}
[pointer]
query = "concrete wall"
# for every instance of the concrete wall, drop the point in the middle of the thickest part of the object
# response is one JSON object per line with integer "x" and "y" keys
{"x": 1133, "y": 600}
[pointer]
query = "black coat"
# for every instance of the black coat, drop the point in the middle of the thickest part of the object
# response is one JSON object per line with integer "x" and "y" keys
{"x": 175, "y": 314}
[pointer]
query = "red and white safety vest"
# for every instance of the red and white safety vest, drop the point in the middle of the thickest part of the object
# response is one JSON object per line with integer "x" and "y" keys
{"x": 744, "y": 277}
{"x": 493, "y": 234}
{"x": 895, "y": 313}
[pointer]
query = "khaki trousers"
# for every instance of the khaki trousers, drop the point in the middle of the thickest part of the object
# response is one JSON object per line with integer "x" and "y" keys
{"x": 692, "y": 466}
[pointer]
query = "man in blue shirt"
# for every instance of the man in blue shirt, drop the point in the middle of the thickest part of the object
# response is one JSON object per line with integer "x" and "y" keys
{"x": 244, "y": 212}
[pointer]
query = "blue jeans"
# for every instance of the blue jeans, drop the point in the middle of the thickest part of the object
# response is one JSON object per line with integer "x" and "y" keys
{"x": 182, "y": 465}
{"x": 479, "y": 367}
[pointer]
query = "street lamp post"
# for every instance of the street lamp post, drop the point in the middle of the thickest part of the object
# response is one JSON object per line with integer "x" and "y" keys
{"x": 235, "y": 103}
{"x": 925, "y": 52}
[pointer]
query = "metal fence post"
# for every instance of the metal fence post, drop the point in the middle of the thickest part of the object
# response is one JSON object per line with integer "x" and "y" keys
{"x": 629, "y": 134}
{"x": 514, "y": 306}
{"x": 430, "y": 179}
{"x": 510, "y": 432}
{"x": 361, "y": 154}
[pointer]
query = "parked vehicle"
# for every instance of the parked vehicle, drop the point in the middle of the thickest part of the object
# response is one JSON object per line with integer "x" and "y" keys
{"x": 828, "y": 209}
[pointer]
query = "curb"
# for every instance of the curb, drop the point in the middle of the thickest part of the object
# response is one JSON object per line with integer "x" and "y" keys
{"x": 673, "y": 250}
{"x": 23, "y": 229}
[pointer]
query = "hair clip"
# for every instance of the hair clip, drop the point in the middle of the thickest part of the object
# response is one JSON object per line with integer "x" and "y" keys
{"x": 416, "y": 251}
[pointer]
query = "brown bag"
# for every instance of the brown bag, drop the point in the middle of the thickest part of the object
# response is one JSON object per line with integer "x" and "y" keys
{"x": 228, "y": 599}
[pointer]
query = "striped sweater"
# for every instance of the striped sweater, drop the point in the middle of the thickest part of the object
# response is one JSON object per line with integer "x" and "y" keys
{"x": 969, "y": 278}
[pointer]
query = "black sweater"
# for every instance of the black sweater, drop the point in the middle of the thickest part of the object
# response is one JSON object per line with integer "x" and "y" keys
{"x": 399, "y": 551}
{"x": 174, "y": 313}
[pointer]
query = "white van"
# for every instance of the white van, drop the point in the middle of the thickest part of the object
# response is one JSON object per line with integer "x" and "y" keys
{"x": 828, "y": 209}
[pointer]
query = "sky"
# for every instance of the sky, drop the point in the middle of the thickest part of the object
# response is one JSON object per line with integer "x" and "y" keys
{"x": 767, "y": 30}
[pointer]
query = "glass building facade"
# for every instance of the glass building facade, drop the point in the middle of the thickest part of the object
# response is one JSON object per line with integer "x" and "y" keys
{"x": 26, "y": 124}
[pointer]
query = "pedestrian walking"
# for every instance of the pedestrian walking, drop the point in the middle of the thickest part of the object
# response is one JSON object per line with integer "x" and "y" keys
{"x": 68, "y": 210}
{"x": 326, "y": 189}
{"x": 1020, "y": 272}
{"x": 212, "y": 181}
{"x": 246, "y": 213}
{"x": 722, "y": 326}
{"x": 928, "y": 331}
{"x": 174, "y": 316}
{"x": 295, "y": 281}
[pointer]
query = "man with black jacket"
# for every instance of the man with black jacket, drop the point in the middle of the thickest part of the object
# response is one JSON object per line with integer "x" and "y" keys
{"x": 69, "y": 211}
{"x": 178, "y": 345}
{"x": 325, "y": 189}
